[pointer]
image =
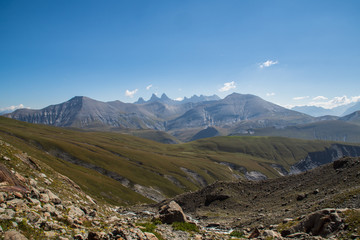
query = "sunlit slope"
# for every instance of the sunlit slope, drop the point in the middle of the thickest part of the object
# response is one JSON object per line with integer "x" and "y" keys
{"x": 125, "y": 169}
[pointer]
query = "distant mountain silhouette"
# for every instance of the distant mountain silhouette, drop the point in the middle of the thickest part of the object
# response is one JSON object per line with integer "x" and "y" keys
{"x": 235, "y": 112}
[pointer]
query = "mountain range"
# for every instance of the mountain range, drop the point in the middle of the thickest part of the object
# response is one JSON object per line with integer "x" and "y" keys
{"x": 233, "y": 115}
{"x": 336, "y": 111}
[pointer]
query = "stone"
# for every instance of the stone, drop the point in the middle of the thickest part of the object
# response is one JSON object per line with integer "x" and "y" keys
{"x": 44, "y": 198}
{"x": 75, "y": 212}
{"x": 14, "y": 235}
{"x": 150, "y": 236}
{"x": 301, "y": 196}
{"x": 18, "y": 195}
{"x": 172, "y": 212}
{"x": 33, "y": 217}
{"x": 255, "y": 233}
{"x": 10, "y": 212}
{"x": 95, "y": 236}
{"x": 34, "y": 201}
{"x": 3, "y": 197}
{"x": 52, "y": 197}
{"x": 286, "y": 220}
{"x": 33, "y": 182}
{"x": 16, "y": 202}
{"x": 272, "y": 234}
{"x": 320, "y": 223}
{"x": 49, "y": 208}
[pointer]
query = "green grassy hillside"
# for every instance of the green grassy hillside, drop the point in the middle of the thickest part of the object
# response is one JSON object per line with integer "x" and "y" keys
{"x": 125, "y": 169}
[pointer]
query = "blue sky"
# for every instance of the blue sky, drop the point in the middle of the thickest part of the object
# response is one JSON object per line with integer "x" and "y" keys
{"x": 287, "y": 52}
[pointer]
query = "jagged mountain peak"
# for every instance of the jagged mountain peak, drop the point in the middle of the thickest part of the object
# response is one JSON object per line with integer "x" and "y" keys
{"x": 140, "y": 101}
{"x": 164, "y": 97}
{"x": 154, "y": 97}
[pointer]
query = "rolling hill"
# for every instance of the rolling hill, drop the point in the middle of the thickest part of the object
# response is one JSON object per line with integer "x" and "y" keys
{"x": 124, "y": 169}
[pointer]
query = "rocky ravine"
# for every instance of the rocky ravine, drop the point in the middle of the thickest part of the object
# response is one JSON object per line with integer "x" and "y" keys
{"x": 38, "y": 203}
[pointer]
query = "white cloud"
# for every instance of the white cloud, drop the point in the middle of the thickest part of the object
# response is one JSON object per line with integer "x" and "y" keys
{"x": 227, "y": 86}
{"x": 12, "y": 108}
{"x": 268, "y": 63}
{"x": 318, "y": 98}
{"x": 300, "y": 98}
{"x": 179, "y": 99}
{"x": 355, "y": 99}
{"x": 148, "y": 87}
{"x": 335, "y": 102}
{"x": 270, "y": 94}
{"x": 130, "y": 93}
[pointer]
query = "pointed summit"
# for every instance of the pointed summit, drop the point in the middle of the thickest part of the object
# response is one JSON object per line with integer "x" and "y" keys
{"x": 154, "y": 98}
{"x": 164, "y": 97}
{"x": 140, "y": 101}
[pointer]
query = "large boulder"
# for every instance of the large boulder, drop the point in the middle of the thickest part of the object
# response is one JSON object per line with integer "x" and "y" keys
{"x": 172, "y": 212}
{"x": 320, "y": 223}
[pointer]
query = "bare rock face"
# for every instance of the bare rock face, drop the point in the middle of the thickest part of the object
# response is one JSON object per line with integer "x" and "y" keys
{"x": 172, "y": 212}
{"x": 321, "y": 223}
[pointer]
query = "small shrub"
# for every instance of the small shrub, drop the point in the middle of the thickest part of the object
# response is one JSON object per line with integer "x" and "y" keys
{"x": 157, "y": 221}
{"x": 236, "y": 234}
{"x": 185, "y": 226}
{"x": 150, "y": 227}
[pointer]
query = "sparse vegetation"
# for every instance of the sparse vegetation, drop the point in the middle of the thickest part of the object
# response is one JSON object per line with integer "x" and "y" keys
{"x": 237, "y": 234}
{"x": 185, "y": 226}
{"x": 352, "y": 219}
{"x": 151, "y": 228}
{"x": 145, "y": 162}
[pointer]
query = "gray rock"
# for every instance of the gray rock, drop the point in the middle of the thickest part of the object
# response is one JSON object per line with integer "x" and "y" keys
{"x": 49, "y": 208}
{"x": 10, "y": 212}
{"x": 172, "y": 212}
{"x": 75, "y": 212}
{"x": 14, "y": 235}
{"x": 320, "y": 223}
{"x": 44, "y": 198}
{"x": 52, "y": 197}
{"x": 33, "y": 217}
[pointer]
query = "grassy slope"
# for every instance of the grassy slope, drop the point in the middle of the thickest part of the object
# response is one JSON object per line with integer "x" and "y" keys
{"x": 145, "y": 162}
{"x": 324, "y": 130}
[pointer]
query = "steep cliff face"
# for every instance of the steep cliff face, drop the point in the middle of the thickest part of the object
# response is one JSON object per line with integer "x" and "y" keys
{"x": 315, "y": 159}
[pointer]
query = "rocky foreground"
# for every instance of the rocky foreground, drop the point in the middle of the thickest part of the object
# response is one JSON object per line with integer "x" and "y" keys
{"x": 38, "y": 203}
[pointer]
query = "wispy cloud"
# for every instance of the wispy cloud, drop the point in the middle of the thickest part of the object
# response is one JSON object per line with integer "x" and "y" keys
{"x": 227, "y": 86}
{"x": 270, "y": 94}
{"x": 12, "y": 108}
{"x": 319, "y": 98}
{"x": 268, "y": 63}
{"x": 148, "y": 87}
{"x": 300, "y": 98}
{"x": 130, "y": 93}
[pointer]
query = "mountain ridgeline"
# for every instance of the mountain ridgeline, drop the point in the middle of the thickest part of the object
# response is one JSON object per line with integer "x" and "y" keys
{"x": 185, "y": 120}
{"x": 163, "y": 113}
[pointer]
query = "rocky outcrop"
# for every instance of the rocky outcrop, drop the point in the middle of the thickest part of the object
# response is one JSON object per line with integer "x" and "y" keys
{"x": 315, "y": 159}
{"x": 322, "y": 223}
{"x": 171, "y": 212}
